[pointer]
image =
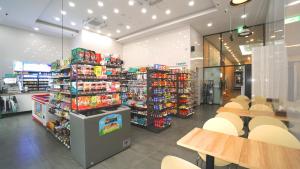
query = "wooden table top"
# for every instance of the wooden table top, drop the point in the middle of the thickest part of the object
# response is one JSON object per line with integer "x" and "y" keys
{"x": 215, "y": 144}
{"x": 252, "y": 113}
{"x": 244, "y": 152}
{"x": 259, "y": 155}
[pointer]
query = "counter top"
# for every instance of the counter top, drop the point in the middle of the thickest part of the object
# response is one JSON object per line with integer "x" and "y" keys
{"x": 30, "y": 93}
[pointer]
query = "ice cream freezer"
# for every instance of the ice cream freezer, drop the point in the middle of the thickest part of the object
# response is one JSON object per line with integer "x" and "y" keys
{"x": 98, "y": 137}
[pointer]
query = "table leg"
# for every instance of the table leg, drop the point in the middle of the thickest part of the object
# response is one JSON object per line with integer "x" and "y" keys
{"x": 210, "y": 162}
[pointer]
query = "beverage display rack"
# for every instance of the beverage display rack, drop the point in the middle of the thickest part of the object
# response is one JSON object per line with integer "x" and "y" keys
{"x": 184, "y": 95}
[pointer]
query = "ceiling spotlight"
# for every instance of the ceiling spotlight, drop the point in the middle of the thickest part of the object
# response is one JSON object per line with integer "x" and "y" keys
{"x": 273, "y": 36}
{"x": 86, "y": 27}
{"x": 168, "y": 11}
{"x": 244, "y": 16}
{"x": 63, "y": 12}
{"x": 100, "y": 3}
{"x": 118, "y": 31}
{"x": 209, "y": 24}
{"x": 131, "y": 2}
{"x": 128, "y": 27}
{"x": 36, "y": 28}
{"x": 90, "y": 11}
{"x": 238, "y": 2}
{"x": 98, "y": 31}
{"x": 144, "y": 10}
{"x": 109, "y": 34}
{"x": 191, "y": 3}
{"x": 225, "y": 44}
{"x": 104, "y": 17}
{"x": 251, "y": 40}
{"x": 154, "y": 17}
{"x": 116, "y": 10}
{"x": 57, "y": 18}
{"x": 71, "y": 4}
{"x": 73, "y": 23}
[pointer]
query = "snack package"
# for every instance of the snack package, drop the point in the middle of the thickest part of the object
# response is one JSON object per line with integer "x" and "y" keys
{"x": 78, "y": 55}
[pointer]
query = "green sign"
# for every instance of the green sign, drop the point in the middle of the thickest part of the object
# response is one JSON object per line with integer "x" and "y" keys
{"x": 10, "y": 75}
{"x": 292, "y": 20}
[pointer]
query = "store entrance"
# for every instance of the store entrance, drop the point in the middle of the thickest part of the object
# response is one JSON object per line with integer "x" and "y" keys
{"x": 232, "y": 82}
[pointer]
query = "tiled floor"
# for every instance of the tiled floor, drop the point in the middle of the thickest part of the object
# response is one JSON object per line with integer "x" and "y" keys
{"x": 24, "y": 144}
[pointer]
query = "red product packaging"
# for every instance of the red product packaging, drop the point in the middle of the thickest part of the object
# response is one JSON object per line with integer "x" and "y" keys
{"x": 98, "y": 58}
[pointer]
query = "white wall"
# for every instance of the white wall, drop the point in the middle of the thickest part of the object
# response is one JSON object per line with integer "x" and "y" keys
{"x": 197, "y": 63}
{"x": 21, "y": 45}
{"x": 166, "y": 48}
{"x": 98, "y": 43}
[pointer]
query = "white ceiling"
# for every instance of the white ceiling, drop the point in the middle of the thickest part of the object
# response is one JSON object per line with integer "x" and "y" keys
{"x": 30, "y": 13}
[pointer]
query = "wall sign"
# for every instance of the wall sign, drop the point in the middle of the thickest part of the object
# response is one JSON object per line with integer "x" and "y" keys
{"x": 110, "y": 123}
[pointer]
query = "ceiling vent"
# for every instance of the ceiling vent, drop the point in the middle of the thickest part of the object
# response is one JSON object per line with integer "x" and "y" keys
{"x": 95, "y": 22}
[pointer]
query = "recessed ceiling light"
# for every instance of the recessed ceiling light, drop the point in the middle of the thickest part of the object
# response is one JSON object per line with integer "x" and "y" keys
{"x": 63, "y": 12}
{"x": 0, "y": 8}
{"x": 118, "y": 31}
{"x": 244, "y": 16}
{"x": 86, "y": 27}
{"x": 280, "y": 30}
{"x": 131, "y": 2}
{"x": 90, "y": 11}
{"x": 71, "y": 4}
{"x": 104, "y": 17}
{"x": 238, "y": 2}
{"x": 191, "y": 3}
{"x": 57, "y": 18}
{"x": 100, "y": 3}
{"x": 251, "y": 40}
{"x": 209, "y": 24}
{"x": 36, "y": 28}
{"x": 154, "y": 17}
{"x": 168, "y": 11}
{"x": 128, "y": 27}
{"x": 73, "y": 23}
{"x": 144, "y": 10}
{"x": 225, "y": 44}
{"x": 109, "y": 34}
{"x": 293, "y": 3}
{"x": 98, "y": 31}
{"x": 116, "y": 10}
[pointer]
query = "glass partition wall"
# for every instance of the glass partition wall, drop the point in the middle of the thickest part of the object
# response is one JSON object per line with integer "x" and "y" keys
{"x": 226, "y": 57}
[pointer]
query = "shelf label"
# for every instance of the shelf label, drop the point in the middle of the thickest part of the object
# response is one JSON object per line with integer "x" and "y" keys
{"x": 110, "y": 123}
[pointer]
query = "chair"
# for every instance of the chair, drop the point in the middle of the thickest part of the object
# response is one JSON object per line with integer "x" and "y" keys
{"x": 234, "y": 105}
{"x": 235, "y": 120}
{"x": 265, "y": 120}
{"x": 259, "y": 100}
{"x": 261, "y": 107}
{"x": 242, "y": 102}
{"x": 172, "y": 162}
{"x": 243, "y": 97}
{"x": 220, "y": 125}
{"x": 274, "y": 135}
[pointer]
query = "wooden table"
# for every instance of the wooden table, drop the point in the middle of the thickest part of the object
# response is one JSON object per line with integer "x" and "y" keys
{"x": 241, "y": 151}
{"x": 259, "y": 155}
{"x": 213, "y": 144}
{"x": 252, "y": 113}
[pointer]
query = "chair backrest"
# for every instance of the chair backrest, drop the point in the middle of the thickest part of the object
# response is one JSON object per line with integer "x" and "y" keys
{"x": 233, "y": 118}
{"x": 172, "y": 162}
{"x": 259, "y": 99}
{"x": 243, "y": 103}
{"x": 234, "y": 105}
{"x": 261, "y": 107}
{"x": 274, "y": 135}
{"x": 265, "y": 120}
{"x": 243, "y": 97}
{"x": 220, "y": 125}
